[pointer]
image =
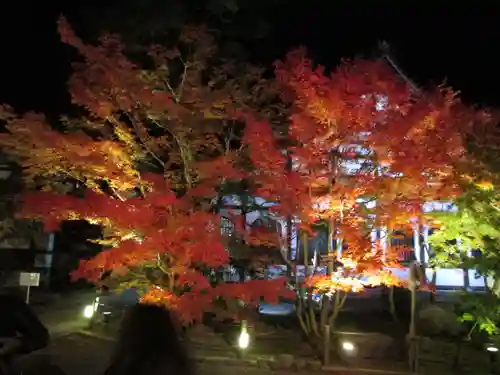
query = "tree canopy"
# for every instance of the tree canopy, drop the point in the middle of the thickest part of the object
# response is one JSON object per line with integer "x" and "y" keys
{"x": 156, "y": 146}
{"x": 147, "y": 160}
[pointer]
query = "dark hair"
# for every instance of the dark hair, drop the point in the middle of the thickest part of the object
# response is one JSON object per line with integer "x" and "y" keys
{"x": 149, "y": 344}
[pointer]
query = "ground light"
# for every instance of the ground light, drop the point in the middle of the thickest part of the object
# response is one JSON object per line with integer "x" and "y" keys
{"x": 493, "y": 354}
{"x": 348, "y": 346}
{"x": 88, "y": 312}
{"x": 244, "y": 338}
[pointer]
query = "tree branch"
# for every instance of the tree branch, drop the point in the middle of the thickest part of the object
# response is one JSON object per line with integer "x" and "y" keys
{"x": 143, "y": 142}
{"x": 177, "y": 95}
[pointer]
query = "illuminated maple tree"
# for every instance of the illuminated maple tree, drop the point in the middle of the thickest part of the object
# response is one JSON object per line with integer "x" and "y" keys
{"x": 366, "y": 153}
{"x": 148, "y": 161}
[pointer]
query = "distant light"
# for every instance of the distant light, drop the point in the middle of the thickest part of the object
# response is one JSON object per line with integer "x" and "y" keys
{"x": 88, "y": 312}
{"x": 348, "y": 346}
{"x": 492, "y": 349}
{"x": 316, "y": 297}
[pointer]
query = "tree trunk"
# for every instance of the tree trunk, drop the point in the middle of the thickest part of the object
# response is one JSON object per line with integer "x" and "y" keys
{"x": 305, "y": 305}
{"x": 289, "y": 223}
{"x": 412, "y": 334}
{"x": 392, "y": 304}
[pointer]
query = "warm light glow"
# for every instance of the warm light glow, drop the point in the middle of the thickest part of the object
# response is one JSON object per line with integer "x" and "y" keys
{"x": 485, "y": 185}
{"x": 350, "y": 283}
{"x": 347, "y": 346}
{"x": 244, "y": 339}
{"x": 88, "y": 312}
{"x": 347, "y": 279}
{"x": 349, "y": 263}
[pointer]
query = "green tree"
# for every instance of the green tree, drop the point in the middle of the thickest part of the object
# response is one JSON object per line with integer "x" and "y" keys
{"x": 470, "y": 237}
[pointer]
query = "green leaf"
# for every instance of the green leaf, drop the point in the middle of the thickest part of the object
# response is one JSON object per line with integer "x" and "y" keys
{"x": 467, "y": 317}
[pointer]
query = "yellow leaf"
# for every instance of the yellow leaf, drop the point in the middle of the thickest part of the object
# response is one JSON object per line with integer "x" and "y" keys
{"x": 485, "y": 185}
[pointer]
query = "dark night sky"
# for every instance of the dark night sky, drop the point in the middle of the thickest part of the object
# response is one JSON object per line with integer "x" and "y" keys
{"x": 431, "y": 44}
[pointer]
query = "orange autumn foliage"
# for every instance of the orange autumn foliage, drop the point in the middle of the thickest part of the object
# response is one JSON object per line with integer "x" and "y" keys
{"x": 367, "y": 151}
{"x": 160, "y": 229}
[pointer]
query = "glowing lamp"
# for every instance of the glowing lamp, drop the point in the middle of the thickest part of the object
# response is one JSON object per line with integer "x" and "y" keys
{"x": 244, "y": 338}
{"x": 348, "y": 346}
{"x": 88, "y": 311}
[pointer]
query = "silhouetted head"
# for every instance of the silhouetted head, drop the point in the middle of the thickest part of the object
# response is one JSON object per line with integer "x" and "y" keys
{"x": 148, "y": 343}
